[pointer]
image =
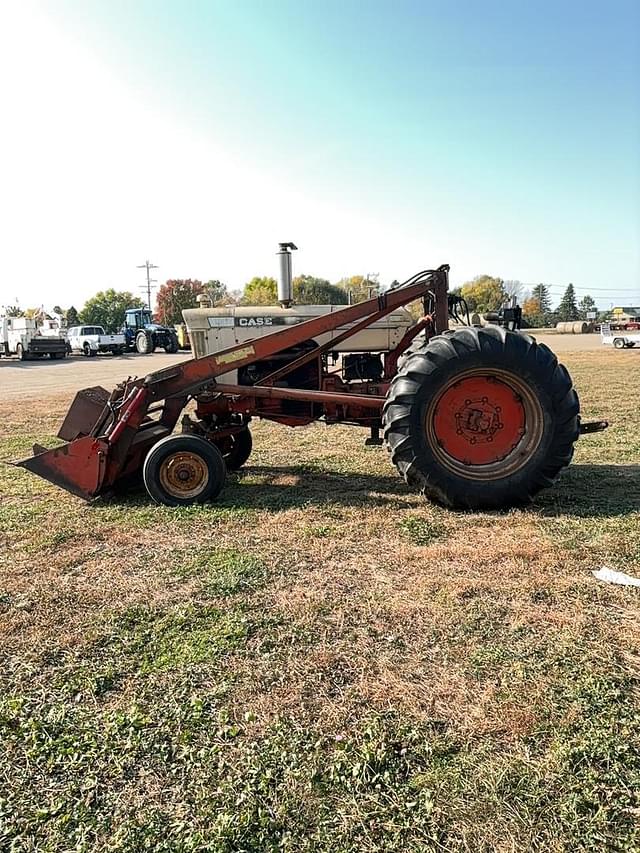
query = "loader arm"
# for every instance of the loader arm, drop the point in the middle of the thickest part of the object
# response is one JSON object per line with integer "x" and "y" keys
{"x": 194, "y": 375}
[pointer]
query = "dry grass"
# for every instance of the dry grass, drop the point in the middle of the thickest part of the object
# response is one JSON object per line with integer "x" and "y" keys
{"x": 323, "y": 661}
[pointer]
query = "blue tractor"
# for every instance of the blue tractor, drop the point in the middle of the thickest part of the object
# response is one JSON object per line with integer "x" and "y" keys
{"x": 143, "y": 335}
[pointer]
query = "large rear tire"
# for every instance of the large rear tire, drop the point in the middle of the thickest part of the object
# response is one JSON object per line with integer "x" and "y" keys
{"x": 172, "y": 346}
{"x": 184, "y": 469}
{"x": 481, "y": 418}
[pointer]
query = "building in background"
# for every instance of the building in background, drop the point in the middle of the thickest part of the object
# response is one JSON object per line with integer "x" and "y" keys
{"x": 626, "y": 315}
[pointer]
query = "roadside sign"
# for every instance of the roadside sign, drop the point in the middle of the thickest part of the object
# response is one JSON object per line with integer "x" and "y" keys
{"x": 591, "y": 315}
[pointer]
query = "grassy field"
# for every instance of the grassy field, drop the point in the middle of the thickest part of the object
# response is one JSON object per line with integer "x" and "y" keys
{"x": 322, "y": 661}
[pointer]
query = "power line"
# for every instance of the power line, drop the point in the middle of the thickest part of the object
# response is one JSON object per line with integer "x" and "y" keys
{"x": 593, "y": 290}
{"x": 148, "y": 266}
{"x": 631, "y": 293}
{"x": 584, "y": 287}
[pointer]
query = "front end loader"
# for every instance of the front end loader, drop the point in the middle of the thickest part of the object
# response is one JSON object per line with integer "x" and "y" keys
{"x": 476, "y": 418}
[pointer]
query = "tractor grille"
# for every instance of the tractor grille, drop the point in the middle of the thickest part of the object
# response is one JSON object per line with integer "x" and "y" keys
{"x": 198, "y": 344}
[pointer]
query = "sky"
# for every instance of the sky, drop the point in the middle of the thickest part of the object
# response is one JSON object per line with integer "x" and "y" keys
{"x": 381, "y": 137}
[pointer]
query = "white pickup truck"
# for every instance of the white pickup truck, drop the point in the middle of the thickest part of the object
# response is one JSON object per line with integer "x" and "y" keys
{"x": 618, "y": 339}
{"x": 90, "y": 340}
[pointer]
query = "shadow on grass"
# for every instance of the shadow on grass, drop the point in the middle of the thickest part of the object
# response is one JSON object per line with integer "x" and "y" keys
{"x": 589, "y": 491}
{"x": 583, "y": 491}
{"x": 257, "y": 487}
{"x": 306, "y": 484}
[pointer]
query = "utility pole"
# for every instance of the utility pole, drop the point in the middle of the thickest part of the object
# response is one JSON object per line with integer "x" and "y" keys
{"x": 148, "y": 266}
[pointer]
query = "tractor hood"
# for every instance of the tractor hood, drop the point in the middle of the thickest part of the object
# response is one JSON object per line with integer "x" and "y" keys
{"x": 213, "y": 329}
{"x": 156, "y": 327}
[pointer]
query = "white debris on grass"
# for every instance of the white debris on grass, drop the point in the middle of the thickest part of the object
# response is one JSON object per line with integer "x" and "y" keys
{"x": 610, "y": 576}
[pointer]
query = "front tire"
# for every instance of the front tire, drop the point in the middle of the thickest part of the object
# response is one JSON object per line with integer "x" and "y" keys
{"x": 481, "y": 418}
{"x": 144, "y": 344}
{"x": 184, "y": 469}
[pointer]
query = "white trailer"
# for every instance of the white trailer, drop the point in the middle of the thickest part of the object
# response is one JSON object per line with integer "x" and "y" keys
{"x": 21, "y": 336}
{"x": 618, "y": 339}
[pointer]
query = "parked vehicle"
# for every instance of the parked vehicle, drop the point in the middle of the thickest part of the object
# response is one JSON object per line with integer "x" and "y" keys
{"x": 90, "y": 340}
{"x": 617, "y": 339}
{"x": 20, "y": 336}
{"x": 145, "y": 336}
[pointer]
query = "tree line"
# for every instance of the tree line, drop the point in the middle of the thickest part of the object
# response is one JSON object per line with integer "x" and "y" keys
{"x": 483, "y": 294}
{"x": 486, "y": 293}
{"x": 107, "y": 307}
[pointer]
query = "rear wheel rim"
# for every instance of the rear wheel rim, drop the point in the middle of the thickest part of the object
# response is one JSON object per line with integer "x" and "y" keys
{"x": 184, "y": 475}
{"x": 484, "y": 425}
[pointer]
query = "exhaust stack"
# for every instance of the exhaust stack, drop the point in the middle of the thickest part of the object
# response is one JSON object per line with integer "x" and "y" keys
{"x": 285, "y": 281}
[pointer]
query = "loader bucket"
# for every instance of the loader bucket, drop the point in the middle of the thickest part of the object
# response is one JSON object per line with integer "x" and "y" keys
{"x": 84, "y": 412}
{"x": 78, "y": 467}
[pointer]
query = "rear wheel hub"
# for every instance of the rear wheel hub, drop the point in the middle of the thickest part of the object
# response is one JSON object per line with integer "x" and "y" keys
{"x": 484, "y": 425}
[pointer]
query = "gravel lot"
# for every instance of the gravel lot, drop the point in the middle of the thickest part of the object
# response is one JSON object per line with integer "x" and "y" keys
{"x": 28, "y": 379}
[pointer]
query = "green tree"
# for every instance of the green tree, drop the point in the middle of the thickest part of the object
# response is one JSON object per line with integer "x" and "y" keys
{"x": 568, "y": 308}
{"x": 72, "y": 317}
{"x": 586, "y": 304}
{"x": 13, "y": 311}
{"x": 261, "y": 290}
{"x": 309, "y": 290}
{"x": 107, "y": 308}
{"x": 541, "y": 293}
{"x": 484, "y": 293}
{"x": 536, "y": 309}
{"x": 174, "y": 296}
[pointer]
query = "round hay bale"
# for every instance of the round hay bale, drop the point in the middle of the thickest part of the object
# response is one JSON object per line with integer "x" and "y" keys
{"x": 561, "y": 328}
{"x": 580, "y": 327}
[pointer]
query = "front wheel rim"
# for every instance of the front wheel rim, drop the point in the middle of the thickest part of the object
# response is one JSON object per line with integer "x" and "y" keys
{"x": 184, "y": 475}
{"x": 484, "y": 425}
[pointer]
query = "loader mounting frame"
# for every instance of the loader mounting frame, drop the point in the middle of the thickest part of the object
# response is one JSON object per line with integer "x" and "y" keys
{"x": 109, "y": 435}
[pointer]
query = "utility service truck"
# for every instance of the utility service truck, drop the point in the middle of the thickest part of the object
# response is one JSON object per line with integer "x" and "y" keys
{"x": 20, "y": 336}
